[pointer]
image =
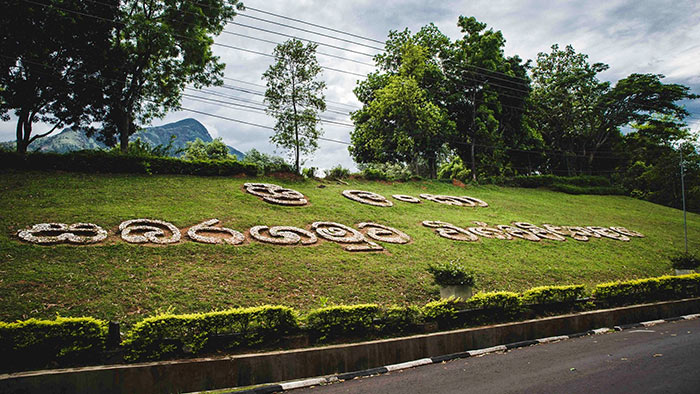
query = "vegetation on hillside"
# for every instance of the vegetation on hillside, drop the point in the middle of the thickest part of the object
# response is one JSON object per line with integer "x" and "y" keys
{"x": 116, "y": 280}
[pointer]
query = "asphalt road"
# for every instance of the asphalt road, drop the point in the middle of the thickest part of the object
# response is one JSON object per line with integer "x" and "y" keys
{"x": 660, "y": 359}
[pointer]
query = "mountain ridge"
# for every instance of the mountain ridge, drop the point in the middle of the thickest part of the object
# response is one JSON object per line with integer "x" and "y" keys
{"x": 70, "y": 140}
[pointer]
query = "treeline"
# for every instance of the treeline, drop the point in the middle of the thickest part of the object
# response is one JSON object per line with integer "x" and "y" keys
{"x": 462, "y": 109}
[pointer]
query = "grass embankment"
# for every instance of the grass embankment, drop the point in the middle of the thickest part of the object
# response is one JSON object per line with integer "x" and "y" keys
{"x": 120, "y": 281}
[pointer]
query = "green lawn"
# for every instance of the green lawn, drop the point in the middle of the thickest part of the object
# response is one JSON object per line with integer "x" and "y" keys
{"x": 120, "y": 281}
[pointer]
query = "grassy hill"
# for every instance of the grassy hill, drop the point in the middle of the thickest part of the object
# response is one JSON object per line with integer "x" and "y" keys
{"x": 116, "y": 280}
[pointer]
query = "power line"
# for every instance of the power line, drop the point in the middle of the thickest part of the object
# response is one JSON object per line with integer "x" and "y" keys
{"x": 265, "y": 86}
{"x": 317, "y": 52}
{"x": 313, "y": 24}
{"x": 298, "y": 38}
{"x": 273, "y": 56}
{"x": 310, "y": 31}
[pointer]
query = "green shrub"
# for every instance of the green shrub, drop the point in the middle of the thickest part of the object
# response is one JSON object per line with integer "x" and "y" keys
{"x": 337, "y": 172}
{"x": 504, "y": 301}
{"x": 451, "y": 273}
{"x": 552, "y": 294}
{"x": 397, "y": 319}
{"x": 107, "y": 162}
{"x": 266, "y": 163}
{"x": 685, "y": 261}
{"x": 596, "y": 190}
{"x": 386, "y": 172}
{"x": 36, "y": 342}
{"x": 646, "y": 290}
{"x": 342, "y": 320}
{"x": 166, "y": 334}
{"x": 444, "y": 309}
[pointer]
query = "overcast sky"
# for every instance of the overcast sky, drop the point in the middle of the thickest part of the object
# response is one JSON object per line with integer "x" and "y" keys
{"x": 631, "y": 36}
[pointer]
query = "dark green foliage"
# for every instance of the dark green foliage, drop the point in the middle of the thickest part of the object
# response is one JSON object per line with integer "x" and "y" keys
{"x": 647, "y": 290}
{"x": 212, "y": 150}
{"x": 168, "y": 334}
{"x": 552, "y": 294}
{"x": 337, "y": 172}
{"x": 398, "y": 319}
{"x": 342, "y": 320}
{"x": 582, "y": 184}
{"x": 386, "y": 172}
{"x": 34, "y": 343}
{"x": 106, "y": 162}
{"x": 266, "y": 163}
{"x": 451, "y": 273}
{"x": 685, "y": 261}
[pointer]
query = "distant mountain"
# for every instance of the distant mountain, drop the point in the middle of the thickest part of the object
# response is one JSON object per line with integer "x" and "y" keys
{"x": 69, "y": 140}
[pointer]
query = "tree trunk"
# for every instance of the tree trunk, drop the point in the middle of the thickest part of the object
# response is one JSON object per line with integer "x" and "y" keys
{"x": 296, "y": 137}
{"x": 123, "y": 125}
{"x": 21, "y": 141}
{"x": 473, "y": 160}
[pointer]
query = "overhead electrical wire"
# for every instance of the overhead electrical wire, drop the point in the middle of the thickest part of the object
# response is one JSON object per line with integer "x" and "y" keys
{"x": 309, "y": 31}
{"x": 313, "y": 24}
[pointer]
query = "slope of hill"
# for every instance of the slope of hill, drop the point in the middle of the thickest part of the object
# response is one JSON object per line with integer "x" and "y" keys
{"x": 122, "y": 281}
{"x": 69, "y": 140}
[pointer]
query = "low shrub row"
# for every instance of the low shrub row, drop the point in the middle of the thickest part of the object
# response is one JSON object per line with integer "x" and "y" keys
{"x": 109, "y": 162}
{"x": 167, "y": 335}
{"x": 38, "y": 342}
{"x": 646, "y": 290}
{"x": 582, "y": 184}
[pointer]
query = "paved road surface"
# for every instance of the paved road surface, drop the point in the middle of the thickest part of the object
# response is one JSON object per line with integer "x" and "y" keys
{"x": 660, "y": 359}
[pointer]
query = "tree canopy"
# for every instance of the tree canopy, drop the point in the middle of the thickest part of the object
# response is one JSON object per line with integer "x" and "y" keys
{"x": 294, "y": 96}
{"x": 157, "y": 48}
{"x": 50, "y": 64}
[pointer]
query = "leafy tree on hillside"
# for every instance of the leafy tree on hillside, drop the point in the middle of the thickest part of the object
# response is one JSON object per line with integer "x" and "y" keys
{"x": 50, "y": 64}
{"x": 400, "y": 123}
{"x": 578, "y": 115}
{"x": 486, "y": 96}
{"x": 213, "y": 150}
{"x": 157, "y": 48}
{"x": 295, "y": 97}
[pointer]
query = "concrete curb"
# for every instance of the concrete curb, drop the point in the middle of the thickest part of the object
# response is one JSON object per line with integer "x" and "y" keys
{"x": 448, "y": 357}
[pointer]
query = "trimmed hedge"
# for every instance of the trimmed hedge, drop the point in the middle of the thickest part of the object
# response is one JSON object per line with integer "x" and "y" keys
{"x": 34, "y": 343}
{"x": 168, "y": 334}
{"x": 107, "y": 162}
{"x": 342, "y": 320}
{"x": 498, "y": 305}
{"x": 646, "y": 290}
{"x": 552, "y": 294}
{"x": 399, "y": 319}
{"x": 583, "y": 184}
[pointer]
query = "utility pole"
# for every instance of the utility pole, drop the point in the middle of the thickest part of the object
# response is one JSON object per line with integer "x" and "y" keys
{"x": 685, "y": 222}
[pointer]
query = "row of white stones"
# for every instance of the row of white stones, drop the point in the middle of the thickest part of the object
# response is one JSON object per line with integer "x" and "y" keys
{"x": 378, "y": 200}
{"x": 529, "y": 232}
{"x": 161, "y": 232}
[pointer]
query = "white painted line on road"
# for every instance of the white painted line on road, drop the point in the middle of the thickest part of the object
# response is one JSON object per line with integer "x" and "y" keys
{"x": 652, "y": 322}
{"x": 308, "y": 383}
{"x": 553, "y": 339}
{"x": 500, "y": 348}
{"x": 409, "y": 364}
{"x": 691, "y": 317}
{"x": 600, "y": 330}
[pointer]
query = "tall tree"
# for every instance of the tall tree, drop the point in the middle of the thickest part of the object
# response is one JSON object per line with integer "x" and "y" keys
{"x": 486, "y": 95}
{"x": 50, "y": 68}
{"x": 294, "y": 96}
{"x": 400, "y": 123}
{"x": 579, "y": 116}
{"x": 157, "y": 48}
